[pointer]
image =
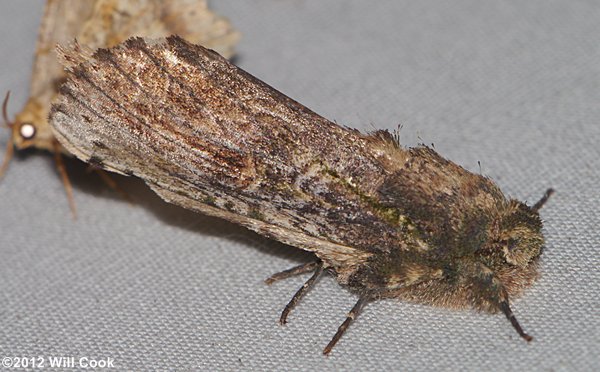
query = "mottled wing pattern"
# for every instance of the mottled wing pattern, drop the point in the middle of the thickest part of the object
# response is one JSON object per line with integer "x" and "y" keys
{"x": 102, "y": 23}
{"x": 113, "y": 21}
{"x": 206, "y": 135}
{"x": 197, "y": 24}
{"x": 61, "y": 22}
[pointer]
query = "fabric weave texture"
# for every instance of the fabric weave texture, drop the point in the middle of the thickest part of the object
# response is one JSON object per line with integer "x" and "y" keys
{"x": 511, "y": 85}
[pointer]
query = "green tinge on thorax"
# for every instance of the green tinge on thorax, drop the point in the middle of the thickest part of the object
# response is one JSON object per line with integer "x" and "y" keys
{"x": 392, "y": 215}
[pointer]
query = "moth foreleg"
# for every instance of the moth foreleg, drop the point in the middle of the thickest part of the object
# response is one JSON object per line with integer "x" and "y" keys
{"x": 302, "y": 291}
{"x": 297, "y": 270}
{"x": 112, "y": 184}
{"x": 513, "y": 320}
{"x": 492, "y": 296}
{"x": 62, "y": 170}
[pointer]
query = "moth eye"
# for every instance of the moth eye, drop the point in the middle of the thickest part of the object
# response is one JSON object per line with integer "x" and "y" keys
{"x": 27, "y": 131}
{"x": 511, "y": 244}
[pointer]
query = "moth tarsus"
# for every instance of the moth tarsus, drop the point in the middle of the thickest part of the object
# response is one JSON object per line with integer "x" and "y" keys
{"x": 504, "y": 306}
{"x": 111, "y": 183}
{"x": 362, "y": 301}
{"x": 8, "y": 154}
{"x": 62, "y": 170}
{"x": 297, "y": 270}
{"x": 385, "y": 220}
{"x": 318, "y": 270}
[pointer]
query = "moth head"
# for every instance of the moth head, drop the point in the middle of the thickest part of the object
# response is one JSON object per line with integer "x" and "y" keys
{"x": 521, "y": 238}
{"x": 31, "y": 129}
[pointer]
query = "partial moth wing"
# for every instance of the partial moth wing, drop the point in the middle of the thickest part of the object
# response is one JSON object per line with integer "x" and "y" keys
{"x": 192, "y": 20}
{"x": 232, "y": 145}
{"x": 62, "y": 21}
{"x": 105, "y": 23}
{"x": 113, "y": 21}
{"x": 102, "y": 23}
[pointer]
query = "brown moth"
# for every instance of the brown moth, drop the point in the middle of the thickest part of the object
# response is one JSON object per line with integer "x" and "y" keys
{"x": 387, "y": 221}
{"x": 102, "y": 23}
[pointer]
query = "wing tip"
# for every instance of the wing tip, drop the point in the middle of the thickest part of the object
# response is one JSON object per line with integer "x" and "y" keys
{"x": 73, "y": 54}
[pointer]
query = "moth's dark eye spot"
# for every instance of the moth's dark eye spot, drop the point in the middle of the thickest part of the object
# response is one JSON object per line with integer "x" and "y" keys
{"x": 512, "y": 244}
{"x": 27, "y": 131}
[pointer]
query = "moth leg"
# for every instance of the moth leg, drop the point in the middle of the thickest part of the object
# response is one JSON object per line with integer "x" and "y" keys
{"x": 297, "y": 270}
{"x": 60, "y": 166}
{"x": 513, "y": 320}
{"x": 8, "y": 154}
{"x": 112, "y": 184}
{"x": 492, "y": 296}
{"x": 344, "y": 326}
{"x": 301, "y": 292}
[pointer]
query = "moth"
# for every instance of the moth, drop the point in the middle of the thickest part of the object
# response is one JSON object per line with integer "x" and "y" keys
{"x": 102, "y": 23}
{"x": 386, "y": 221}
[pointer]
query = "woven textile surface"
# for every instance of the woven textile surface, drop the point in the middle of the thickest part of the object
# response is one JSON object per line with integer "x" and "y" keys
{"x": 511, "y": 85}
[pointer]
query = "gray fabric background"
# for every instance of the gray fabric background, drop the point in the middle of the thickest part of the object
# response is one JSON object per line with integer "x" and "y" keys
{"x": 513, "y": 84}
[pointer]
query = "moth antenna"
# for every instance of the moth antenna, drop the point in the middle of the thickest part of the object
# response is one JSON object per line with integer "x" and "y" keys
{"x": 300, "y": 293}
{"x": 349, "y": 319}
{"x": 10, "y": 150}
{"x": 60, "y": 166}
{"x": 513, "y": 320}
{"x": 537, "y": 206}
{"x": 7, "y": 122}
{"x": 296, "y": 270}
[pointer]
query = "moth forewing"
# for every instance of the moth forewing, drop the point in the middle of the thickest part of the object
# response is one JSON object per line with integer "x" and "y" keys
{"x": 102, "y": 23}
{"x": 387, "y": 221}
